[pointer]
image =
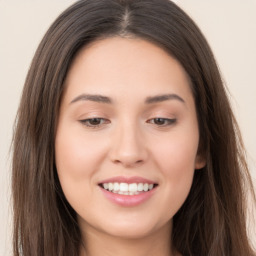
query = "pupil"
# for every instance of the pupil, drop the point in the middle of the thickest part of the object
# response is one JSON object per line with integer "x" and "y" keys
{"x": 159, "y": 121}
{"x": 95, "y": 121}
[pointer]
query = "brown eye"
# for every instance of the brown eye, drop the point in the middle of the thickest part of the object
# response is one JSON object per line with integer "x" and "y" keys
{"x": 159, "y": 121}
{"x": 94, "y": 122}
{"x": 162, "y": 121}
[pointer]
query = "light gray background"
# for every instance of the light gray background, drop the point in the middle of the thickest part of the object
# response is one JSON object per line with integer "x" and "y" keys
{"x": 229, "y": 25}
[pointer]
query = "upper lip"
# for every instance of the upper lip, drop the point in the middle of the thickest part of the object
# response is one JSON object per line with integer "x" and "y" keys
{"x": 129, "y": 180}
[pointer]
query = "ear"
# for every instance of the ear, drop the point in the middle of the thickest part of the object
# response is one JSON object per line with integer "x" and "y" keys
{"x": 200, "y": 161}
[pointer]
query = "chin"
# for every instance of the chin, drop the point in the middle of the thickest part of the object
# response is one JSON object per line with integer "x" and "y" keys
{"x": 131, "y": 232}
{"x": 135, "y": 229}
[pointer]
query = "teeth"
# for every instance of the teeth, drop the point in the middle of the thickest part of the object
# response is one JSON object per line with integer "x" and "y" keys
{"x": 105, "y": 185}
{"x": 110, "y": 186}
{"x": 127, "y": 189}
{"x": 140, "y": 187}
{"x": 116, "y": 186}
{"x": 133, "y": 187}
{"x": 123, "y": 187}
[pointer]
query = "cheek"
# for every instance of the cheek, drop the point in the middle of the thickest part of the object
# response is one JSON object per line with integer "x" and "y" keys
{"x": 76, "y": 155}
{"x": 176, "y": 154}
{"x": 175, "y": 158}
{"x": 77, "y": 159}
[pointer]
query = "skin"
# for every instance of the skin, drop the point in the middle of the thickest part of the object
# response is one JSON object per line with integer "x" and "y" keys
{"x": 129, "y": 141}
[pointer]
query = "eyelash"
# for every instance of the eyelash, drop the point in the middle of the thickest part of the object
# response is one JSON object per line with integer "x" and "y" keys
{"x": 102, "y": 121}
{"x": 165, "y": 121}
{"x": 87, "y": 123}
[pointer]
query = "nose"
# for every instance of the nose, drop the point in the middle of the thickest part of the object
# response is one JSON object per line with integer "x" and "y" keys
{"x": 128, "y": 147}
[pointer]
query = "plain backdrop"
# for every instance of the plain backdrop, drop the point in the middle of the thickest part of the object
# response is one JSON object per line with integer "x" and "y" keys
{"x": 229, "y": 26}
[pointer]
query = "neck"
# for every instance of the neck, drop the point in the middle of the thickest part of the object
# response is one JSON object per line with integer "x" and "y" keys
{"x": 99, "y": 243}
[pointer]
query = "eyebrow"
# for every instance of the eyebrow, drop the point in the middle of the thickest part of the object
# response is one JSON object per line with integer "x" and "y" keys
{"x": 163, "y": 97}
{"x": 92, "y": 97}
{"x": 149, "y": 100}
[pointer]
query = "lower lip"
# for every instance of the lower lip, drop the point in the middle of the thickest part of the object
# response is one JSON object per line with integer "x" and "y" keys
{"x": 128, "y": 200}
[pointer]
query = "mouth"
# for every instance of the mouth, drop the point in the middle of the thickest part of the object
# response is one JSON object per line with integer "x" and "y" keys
{"x": 129, "y": 189}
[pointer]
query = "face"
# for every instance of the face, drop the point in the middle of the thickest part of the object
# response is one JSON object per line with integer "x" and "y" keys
{"x": 127, "y": 137}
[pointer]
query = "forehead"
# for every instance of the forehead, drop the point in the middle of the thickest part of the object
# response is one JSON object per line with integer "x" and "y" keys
{"x": 114, "y": 65}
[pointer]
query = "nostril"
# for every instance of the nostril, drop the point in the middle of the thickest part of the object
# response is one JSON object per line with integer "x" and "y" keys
{"x": 128, "y": 162}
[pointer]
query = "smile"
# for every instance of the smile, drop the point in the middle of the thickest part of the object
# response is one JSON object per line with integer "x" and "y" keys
{"x": 128, "y": 189}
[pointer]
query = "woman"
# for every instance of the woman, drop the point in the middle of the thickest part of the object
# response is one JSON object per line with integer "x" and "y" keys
{"x": 125, "y": 140}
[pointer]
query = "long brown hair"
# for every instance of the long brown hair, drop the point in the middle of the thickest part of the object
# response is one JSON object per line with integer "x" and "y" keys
{"x": 212, "y": 220}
